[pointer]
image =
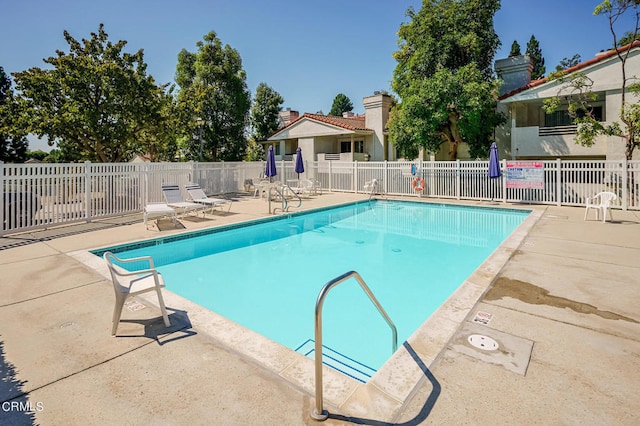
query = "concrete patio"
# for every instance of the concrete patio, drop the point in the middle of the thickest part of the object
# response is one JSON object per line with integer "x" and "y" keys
{"x": 567, "y": 297}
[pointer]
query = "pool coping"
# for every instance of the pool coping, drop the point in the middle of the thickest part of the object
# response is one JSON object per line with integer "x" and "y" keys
{"x": 385, "y": 394}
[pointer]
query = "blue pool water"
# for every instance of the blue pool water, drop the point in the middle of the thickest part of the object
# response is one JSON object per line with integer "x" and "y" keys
{"x": 267, "y": 276}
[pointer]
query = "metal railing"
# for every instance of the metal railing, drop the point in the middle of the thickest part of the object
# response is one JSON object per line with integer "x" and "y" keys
{"x": 319, "y": 413}
{"x": 281, "y": 191}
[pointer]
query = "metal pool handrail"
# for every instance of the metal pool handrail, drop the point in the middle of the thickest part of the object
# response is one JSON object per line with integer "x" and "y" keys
{"x": 318, "y": 413}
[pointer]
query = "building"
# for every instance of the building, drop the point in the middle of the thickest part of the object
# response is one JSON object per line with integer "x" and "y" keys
{"x": 532, "y": 133}
{"x": 347, "y": 138}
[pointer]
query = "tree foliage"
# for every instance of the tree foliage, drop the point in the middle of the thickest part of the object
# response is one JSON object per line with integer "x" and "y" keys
{"x": 515, "y": 49}
{"x": 568, "y": 62}
{"x": 267, "y": 103}
{"x": 577, "y": 89}
{"x": 444, "y": 78}
{"x": 13, "y": 142}
{"x": 535, "y": 53}
{"x": 96, "y": 101}
{"x": 213, "y": 91}
{"x": 341, "y": 104}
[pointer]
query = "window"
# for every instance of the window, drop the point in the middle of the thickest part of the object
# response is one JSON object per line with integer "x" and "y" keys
{"x": 358, "y": 146}
{"x": 562, "y": 117}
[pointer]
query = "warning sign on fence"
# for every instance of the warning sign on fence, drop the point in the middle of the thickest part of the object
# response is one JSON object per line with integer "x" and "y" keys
{"x": 525, "y": 174}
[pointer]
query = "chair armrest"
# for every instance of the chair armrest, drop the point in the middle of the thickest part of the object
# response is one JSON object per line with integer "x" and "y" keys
{"x": 139, "y": 259}
{"x": 138, "y": 272}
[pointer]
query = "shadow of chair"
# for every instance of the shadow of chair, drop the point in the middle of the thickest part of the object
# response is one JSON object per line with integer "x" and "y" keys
{"x": 127, "y": 284}
{"x": 601, "y": 203}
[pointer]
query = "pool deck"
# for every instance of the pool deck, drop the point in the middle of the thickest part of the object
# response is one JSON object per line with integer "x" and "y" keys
{"x": 562, "y": 303}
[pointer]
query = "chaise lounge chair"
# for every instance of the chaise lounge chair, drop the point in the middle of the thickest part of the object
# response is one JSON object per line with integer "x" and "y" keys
{"x": 174, "y": 199}
{"x": 131, "y": 283}
{"x": 197, "y": 195}
{"x": 158, "y": 210}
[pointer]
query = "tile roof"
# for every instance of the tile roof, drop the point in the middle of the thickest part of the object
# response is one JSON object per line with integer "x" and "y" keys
{"x": 350, "y": 123}
{"x": 601, "y": 57}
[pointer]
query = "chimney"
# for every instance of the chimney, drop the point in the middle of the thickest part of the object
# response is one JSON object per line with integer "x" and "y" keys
{"x": 376, "y": 111}
{"x": 514, "y": 71}
{"x": 347, "y": 114}
{"x": 287, "y": 117}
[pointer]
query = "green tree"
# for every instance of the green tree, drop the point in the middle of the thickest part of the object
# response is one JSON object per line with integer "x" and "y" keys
{"x": 213, "y": 99}
{"x": 577, "y": 89}
{"x": 535, "y": 53}
{"x": 96, "y": 101}
{"x": 627, "y": 38}
{"x": 37, "y": 154}
{"x": 267, "y": 103}
{"x": 13, "y": 141}
{"x": 515, "y": 49}
{"x": 341, "y": 103}
{"x": 444, "y": 78}
{"x": 568, "y": 62}
{"x": 255, "y": 151}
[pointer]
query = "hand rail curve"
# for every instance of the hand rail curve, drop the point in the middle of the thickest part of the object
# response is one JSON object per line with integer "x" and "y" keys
{"x": 318, "y": 413}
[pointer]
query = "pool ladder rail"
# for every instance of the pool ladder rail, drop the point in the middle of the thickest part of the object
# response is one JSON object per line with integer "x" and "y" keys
{"x": 319, "y": 413}
{"x": 280, "y": 191}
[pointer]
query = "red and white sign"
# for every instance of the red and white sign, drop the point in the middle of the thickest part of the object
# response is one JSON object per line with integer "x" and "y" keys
{"x": 525, "y": 174}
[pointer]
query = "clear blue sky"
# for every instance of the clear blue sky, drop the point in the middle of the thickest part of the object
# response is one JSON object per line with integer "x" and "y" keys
{"x": 308, "y": 51}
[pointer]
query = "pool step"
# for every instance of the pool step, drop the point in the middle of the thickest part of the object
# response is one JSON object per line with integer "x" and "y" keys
{"x": 338, "y": 361}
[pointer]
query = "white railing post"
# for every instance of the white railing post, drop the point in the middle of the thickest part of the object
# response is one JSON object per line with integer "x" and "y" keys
{"x": 2, "y": 199}
{"x": 87, "y": 191}
{"x": 458, "y": 179}
{"x": 385, "y": 181}
{"x": 503, "y": 180}
{"x": 625, "y": 180}
{"x": 330, "y": 175}
{"x": 558, "y": 182}
{"x": 354, "y": 180}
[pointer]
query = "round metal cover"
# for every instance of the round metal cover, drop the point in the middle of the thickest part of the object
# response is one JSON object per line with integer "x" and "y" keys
{"x": 483, "y": 342}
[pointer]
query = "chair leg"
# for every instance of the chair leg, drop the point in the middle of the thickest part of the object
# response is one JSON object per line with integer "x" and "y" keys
{"x": 163, "y": 309}
{"x": 117, "y": 312}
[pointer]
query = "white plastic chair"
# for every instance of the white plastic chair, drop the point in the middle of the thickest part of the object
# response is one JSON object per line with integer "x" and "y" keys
{"x": 197, "y": 195}
{"x": 601, "y": 202}
{"x": 131, "y": 283}
{"x": 371, "y": 185}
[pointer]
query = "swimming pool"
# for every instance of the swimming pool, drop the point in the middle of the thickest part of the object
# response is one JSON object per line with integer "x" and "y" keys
{"x": 266, "y": 276}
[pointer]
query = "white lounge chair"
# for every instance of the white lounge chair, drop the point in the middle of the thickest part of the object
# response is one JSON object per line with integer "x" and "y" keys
{"x": 158, "y": 210}
{"x": 131, "y": 283}
{"x": 173, "y": 198}
{"x": 197, "y": 195}
{"x": 601, "y": 202}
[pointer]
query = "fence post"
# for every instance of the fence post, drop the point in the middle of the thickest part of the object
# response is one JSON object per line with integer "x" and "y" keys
{"x": 87, "y": 191}
{"x": 386, "y": 177}
{"x": 192, "y": 178}
{"x": 354, "y": 181}
{"x": 558, "y": 182}
{"x": 330, "y": 175}
{"x": 504, "y": 180}
{"x": 2, "y": 198}
{"x": 458, "y": 180}
{"x": 625, "y": 179}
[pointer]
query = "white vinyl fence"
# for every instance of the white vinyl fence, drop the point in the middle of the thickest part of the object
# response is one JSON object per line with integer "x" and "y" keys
{"x": 43, "y": 195}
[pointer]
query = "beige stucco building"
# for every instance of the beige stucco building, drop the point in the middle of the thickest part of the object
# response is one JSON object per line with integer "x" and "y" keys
{"x": 532, "y": 133}
{"x": 347, "y": 138}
